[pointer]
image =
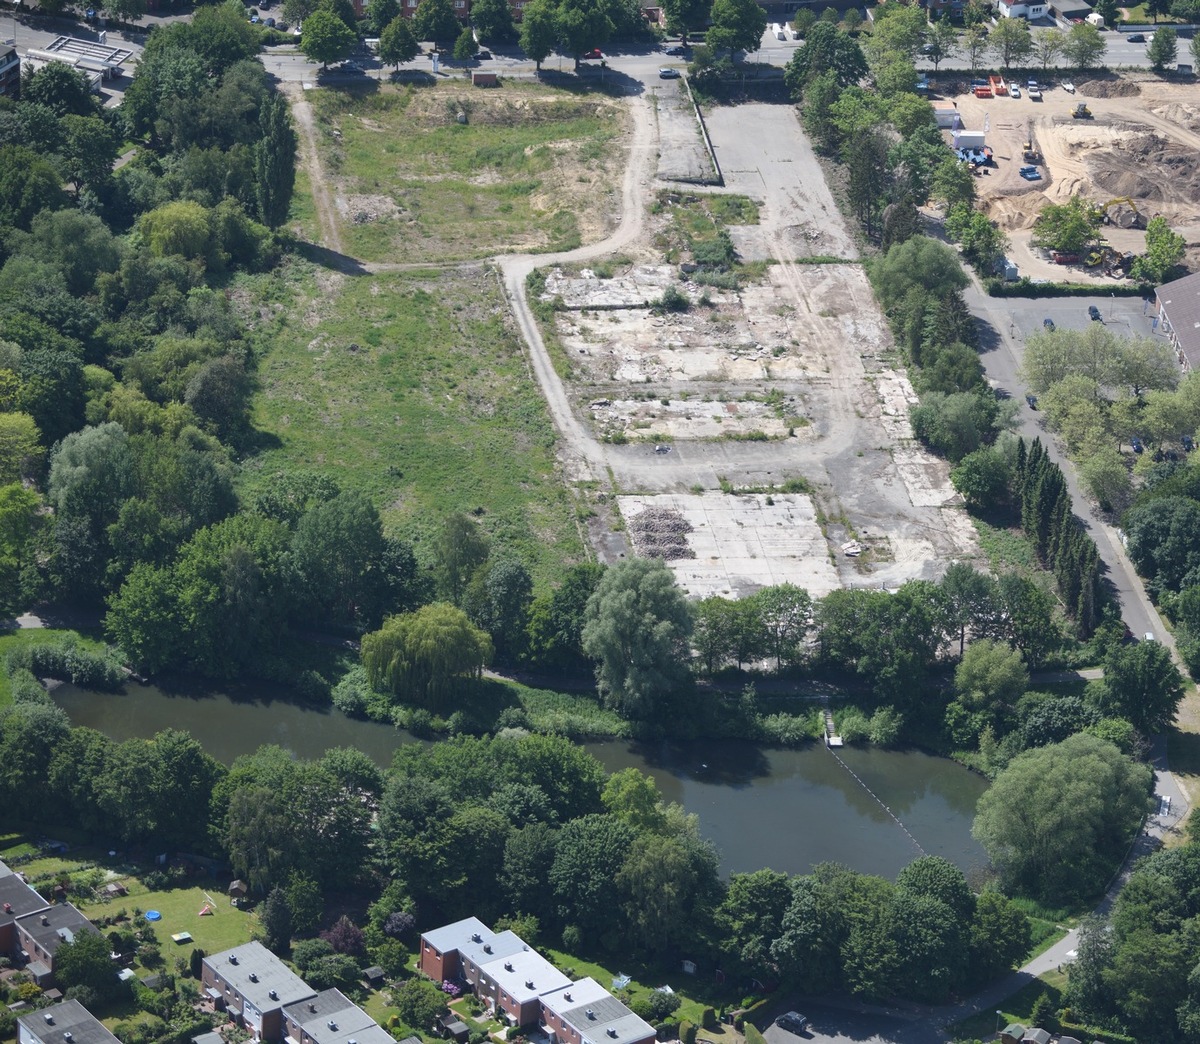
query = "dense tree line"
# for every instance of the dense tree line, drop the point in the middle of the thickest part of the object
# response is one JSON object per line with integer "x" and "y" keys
{"x": 1136, "y": 968}
{"x": 125, "y": 376}
{"x": 515, "y": 828}
{"x": 1063, "y": 545}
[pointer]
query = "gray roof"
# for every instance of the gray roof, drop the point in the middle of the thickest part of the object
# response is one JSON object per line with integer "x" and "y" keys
{"x": 609, "y": 1018}
{"x": 1181, "y": 302}
{"x": 525, "y": 975}
{"x": 1036, "y": 1036}
{"x": 20, "y": 897}
{"x": 69, "y": 1017}
{"x": 332, "y": 1018}
{"x": 270, "y": 975}
{"x": 54, "y": 925}
{"x": 4, "y": 870}
{"x": 211, "y": 1037}
{"x": 455, "y": 936}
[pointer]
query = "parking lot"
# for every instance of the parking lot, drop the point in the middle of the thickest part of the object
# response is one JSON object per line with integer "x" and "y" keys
{"x": 1126, "y": 316}
{"x": 835, "y": 1025}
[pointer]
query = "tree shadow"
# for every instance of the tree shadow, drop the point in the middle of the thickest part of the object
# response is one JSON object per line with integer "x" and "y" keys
{"x": 331, "y": 259}
{"x": 726, "y": 763}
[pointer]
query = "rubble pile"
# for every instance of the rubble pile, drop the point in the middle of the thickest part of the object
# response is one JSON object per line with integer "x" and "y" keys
{"x": 660, "y": 533}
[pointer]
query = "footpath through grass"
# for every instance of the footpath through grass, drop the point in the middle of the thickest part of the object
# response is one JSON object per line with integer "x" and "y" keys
{"x": 413, "y": 388}
{"x": 446, "y": 172}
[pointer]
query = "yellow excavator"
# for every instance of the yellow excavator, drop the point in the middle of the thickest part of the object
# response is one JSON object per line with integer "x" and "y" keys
{"x": 1131, "y": 218}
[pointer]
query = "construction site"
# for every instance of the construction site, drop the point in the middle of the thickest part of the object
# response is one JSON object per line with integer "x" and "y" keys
{"x": 1127, "y": 142}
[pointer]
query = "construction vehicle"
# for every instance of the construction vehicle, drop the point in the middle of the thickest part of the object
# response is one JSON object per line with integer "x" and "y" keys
{"x": 1102, "y": 255}
{"x": 1126, "y": 215}
{"x": 1081, "y": 112}
{"x": 1032, "y": 155}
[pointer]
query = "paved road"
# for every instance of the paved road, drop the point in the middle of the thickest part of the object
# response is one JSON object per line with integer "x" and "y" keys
{"x": 1007, "y": 322}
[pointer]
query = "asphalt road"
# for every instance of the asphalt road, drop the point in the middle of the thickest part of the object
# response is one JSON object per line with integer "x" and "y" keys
{"x": 1007, "y": 322}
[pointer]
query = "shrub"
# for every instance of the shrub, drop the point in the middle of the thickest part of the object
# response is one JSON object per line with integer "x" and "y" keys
{"x": 27, "y": 689}
{"x": 687, "y": 1033}
{"x": 351, "y": 694}
{"x": 708, "y": 1019}
{"x": 752, "y": 1035}
{"x": 572, "y": 938}
{"x": 853, "y": 726}
{"x": 886, "y": 724}
{"x": 673, "y": 300}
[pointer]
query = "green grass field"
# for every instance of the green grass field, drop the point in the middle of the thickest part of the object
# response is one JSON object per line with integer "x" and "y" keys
{"x": 415, "y": 184}
{"x": 413, "y": 388}
{"x": 180, "y": 909}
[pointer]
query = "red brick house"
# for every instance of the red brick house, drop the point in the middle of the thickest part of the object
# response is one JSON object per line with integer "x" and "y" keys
{"x": 254, "y": 986}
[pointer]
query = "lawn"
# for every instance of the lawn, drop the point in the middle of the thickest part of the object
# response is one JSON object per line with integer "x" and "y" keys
{"x": 413, "y": 388}
{"x": 695, "y": 993}
{"x": 180, "y": 908}
{"x": 1019, "y": 1007}
{"x": 440, "y": 172}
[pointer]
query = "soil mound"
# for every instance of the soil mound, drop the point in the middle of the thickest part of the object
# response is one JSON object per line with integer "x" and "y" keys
{"x": 1108, "y": 89}
{"x": 1146, "y": 166}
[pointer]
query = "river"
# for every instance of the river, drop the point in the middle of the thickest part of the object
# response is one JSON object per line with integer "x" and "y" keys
{"x": 761, "y": 806}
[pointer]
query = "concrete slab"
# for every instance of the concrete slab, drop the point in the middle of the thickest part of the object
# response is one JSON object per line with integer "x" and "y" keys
{"x": 746, "y": 542}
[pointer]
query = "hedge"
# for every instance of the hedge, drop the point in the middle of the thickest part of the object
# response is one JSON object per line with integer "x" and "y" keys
{"x": 1025, "y": 287}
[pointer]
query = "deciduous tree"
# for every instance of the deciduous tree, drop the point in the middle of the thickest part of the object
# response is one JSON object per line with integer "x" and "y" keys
{"x": 1010, "y": 41}
{"x": 637, "y": 629}
{"x": 735, "y": 26}
{"x": 397, "y": 44}
{"x": 1084, "y": 46}
{"x": 1082, "y": 796}
{"x": 327, "y": 38}
{"x": 434, "y": 20}
{"x": 539, "y": 31}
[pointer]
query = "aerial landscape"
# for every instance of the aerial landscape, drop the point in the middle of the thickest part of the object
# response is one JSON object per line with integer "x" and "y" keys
{"x": 560, "y": 521}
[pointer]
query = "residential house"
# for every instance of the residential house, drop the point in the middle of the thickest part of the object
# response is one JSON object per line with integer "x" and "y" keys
{"x": 66, "y": 1023}
{"x": 525, "y": 989}
{"x": 1036, "y": 1036}
{"x": 586, "y": 1011}
{"x": 255, "y": 986}
{"x": 41, "y": 933}
{"x": 16, "y": 900}
{"x": 1179, "y": 318}
{"x": 1030, "y": 9}
{"x": 10, "y": 82}
{"x": 1012, "y": 1033}
{"x": 331, "y": 1017}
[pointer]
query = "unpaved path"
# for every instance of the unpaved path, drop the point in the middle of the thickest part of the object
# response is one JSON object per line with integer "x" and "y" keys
{"x": 328, "y": 223}
{"x": 583, "y": 456}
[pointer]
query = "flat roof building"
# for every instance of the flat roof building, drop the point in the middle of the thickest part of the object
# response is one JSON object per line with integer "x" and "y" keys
{"x": 66, "y": 1023}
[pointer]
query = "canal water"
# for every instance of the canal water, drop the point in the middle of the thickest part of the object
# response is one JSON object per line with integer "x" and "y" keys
{"x": 762, "y": 807}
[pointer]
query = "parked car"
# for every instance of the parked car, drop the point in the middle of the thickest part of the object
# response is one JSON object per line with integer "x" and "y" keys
{"x": 271, "y": 23}
{"x": 254, "y": 19}
{"x": 1136, "y": 38}
{"x": 1187, "y": 443}
{"x": 1032, "y": 400}
{"x": 1048, "y": 325}
{"x": 678, "y": 51}
{"x": 793, "y": 1022}
{"x": 1094, "y": 314}
{"x": 667, "y": 73}
{"x": 1014, "y": 91}
{"x": 484, "y": 56}
{"x": 594, "y": 54}
{"x": 1136, "y": 443}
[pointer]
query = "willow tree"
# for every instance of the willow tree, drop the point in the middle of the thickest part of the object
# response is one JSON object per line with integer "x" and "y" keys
{"x": 426, "y": 655}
